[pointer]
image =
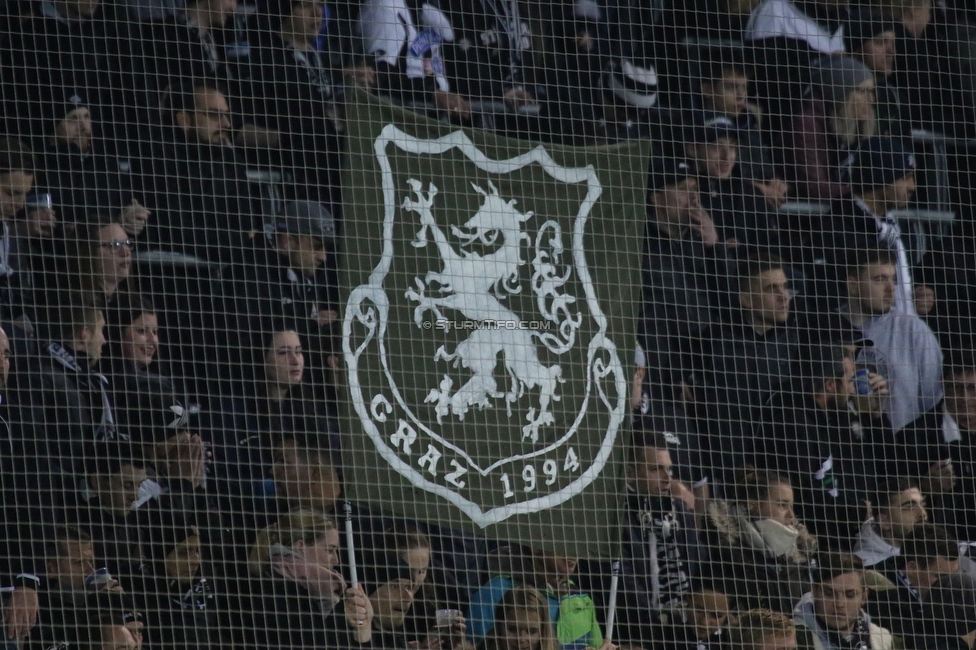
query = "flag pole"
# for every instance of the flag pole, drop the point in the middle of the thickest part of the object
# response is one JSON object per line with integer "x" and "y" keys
{"x": 350, "y": 546}
{"x": 612, "y": 604}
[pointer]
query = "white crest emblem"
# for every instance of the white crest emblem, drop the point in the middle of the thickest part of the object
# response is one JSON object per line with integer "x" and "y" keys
{"x": 510, "y": 326}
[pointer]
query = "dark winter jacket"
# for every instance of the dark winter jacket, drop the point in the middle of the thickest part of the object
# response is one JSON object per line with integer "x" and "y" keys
{"x": 679, "y": 300}
{"x": 647, "y": 588}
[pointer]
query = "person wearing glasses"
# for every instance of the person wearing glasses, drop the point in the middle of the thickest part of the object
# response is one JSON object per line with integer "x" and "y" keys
{"x": 198, "y": 180}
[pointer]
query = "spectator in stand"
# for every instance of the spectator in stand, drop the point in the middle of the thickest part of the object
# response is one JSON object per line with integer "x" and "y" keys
{"x": 702, "y": 626}
{"x": 178, "y": 595}
{"x": 303, "y": 468}
{"x": 522, "y": 623}
{"x": 905, "y": 351}
{"x": 625, "y": 97}
{"x": 831, "y": 616}
{"x": 571, "y": 612}
{"x": 113, "y": 624}
{"x": 831, "y": 123}
{"x": 661, "y": 553}
{"x": 683, "y": 258}
{"x": 784, "y": 37}
{"x": 22, "y": 472}
{"x": 899, "y": 509}
{"x": 68, "y": 44}
{"x": 71, "y": 581}
{"x": 74, "y": 162}
{"x": 182, "y": 45}
{"x": 747, "y": 358}
{"x": 146, "y": 403}
{"x": 272, "y": 406}
{"x": 711, "y": 143}
{"x": 403, "y": 608}
{"x": 761, "y": 554}
{"x": 283, "y": 280}
{"x": 937, "y": 449}
{"x": 810, "y": 434}
{"x": 931, "y": 67}
{"x": 104, "y": 501}
{"x": 689, "y": 446}
{"x": 286, "y": 86}
{"x": 61, "y": 398}
{"x": 32, "y": 238}
{"x": 102, "y": 259}
{"x": 16, "y": 180}
{"x": 409, "y": 48}
{"x": 497, "y": 66}
{"x": 295, "y": 588}
{"x": 951, "y": 612}
{"x": 881, "y": 174}
{"x": 724, "y": 90}
{"x": 761, "y": 629}
{"x": 198, "y": 182}
{"x": 927, "y": 555}
{"x": 870, "y": 38}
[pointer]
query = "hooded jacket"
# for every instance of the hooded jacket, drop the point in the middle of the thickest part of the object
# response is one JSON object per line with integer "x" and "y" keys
{"x": 872, "y": 548}
{"x": 759, "y": 564}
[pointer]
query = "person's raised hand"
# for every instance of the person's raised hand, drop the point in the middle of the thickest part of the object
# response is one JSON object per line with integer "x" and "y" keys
{"x": 453, "y": 105}
{"x": 20, "y": 613}
{"x": 134, "y": 218}
{"x": 360, "y": 75}
{"x": 774, "y": 192}
{"x": 183, "y": 456}
{"x": 358, "y": 613}
{"x": 940, "y": 478}
{"x": 700, "y": 222}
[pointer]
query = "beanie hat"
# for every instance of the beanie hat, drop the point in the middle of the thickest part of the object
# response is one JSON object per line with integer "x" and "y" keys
{"x": 864, "y": 24}
{"x": 835, "y": 77}
{"x": 668, "y": 170}
{"x": 306, "y": 218}
{"x": 706, "y": 127}
{"x": 878, "y": 162}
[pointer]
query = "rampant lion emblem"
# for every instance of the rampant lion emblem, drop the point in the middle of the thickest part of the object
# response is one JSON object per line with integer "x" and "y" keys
{"x": 475, "y": 286}
{"x": 482, "y": 366}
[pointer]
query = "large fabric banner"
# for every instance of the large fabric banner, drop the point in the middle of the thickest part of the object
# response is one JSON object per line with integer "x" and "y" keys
{"x": 488, "y": 332}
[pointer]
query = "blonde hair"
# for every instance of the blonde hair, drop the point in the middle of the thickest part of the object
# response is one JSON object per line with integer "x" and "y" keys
{"x": 751, "y": 629}
{"x": 303, "y": 525}
{"x": 528, "y": 599}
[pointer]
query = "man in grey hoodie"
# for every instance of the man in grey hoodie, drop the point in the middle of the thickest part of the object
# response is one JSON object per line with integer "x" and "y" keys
{"x": 905, "y": 350}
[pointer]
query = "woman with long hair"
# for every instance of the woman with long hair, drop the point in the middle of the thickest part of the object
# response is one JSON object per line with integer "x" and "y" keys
{"x": 522, "y": 622}
{"x": 763, "y": 555}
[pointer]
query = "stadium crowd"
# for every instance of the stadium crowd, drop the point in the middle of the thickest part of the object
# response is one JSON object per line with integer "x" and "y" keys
{"x": 800, "y": 472}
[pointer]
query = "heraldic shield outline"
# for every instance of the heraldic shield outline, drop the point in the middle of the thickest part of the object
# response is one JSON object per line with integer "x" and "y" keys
{"x": 368, "y": 310}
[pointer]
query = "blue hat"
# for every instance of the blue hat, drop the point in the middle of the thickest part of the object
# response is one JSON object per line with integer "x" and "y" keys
{"x": 878, "y": 162}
